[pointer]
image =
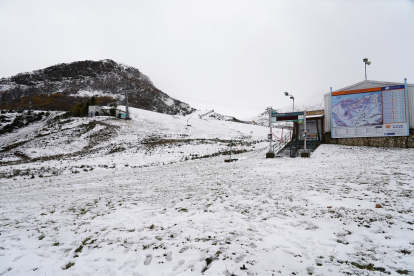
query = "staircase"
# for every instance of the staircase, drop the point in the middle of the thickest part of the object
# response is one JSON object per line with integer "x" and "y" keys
{"x": 285, "y": 140}
{"x": 284, "y": 149}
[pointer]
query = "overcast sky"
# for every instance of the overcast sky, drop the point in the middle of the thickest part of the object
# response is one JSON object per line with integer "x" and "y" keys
{"x": 219, "y": 54}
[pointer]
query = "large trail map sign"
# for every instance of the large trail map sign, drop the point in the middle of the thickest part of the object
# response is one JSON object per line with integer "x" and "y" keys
{"x": 372, "y": 112}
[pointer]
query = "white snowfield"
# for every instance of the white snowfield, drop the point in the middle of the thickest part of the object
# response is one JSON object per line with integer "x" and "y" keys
{"x": 127, "y": 213}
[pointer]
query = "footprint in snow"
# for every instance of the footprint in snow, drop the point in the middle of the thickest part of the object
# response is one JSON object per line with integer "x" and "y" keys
{"x": 18, "y": 258}
{"x": 148, "y": 259}
{"x": 226, "y": 273}
{"x": 180, "y": 263}
{"x": 168, "y": 257}
{"x": 240, "y": 258}
{"x": 185, "y": 248}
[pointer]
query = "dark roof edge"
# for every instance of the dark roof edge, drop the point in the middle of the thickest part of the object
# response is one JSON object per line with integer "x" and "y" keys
{"x": 373, "y": 82}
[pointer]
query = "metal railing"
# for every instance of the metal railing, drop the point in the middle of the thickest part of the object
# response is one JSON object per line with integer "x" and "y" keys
{"x": 311, "y": 144}
{"x": 283, "y": 142}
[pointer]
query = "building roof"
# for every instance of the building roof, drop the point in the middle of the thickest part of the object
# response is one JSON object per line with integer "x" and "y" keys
{"x": 314, "y": 116}
{"x": 369, "y": 84}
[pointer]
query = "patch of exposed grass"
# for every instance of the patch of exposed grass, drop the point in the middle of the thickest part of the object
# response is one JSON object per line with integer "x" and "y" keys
{"x": 84, "y": 242}
{"x": 79, "y": 249}
{"x": 405, "y": 252}
{"x": 68, "y": 265}
{"x": 83, "y": 211}
{"x": 370, "y": 267}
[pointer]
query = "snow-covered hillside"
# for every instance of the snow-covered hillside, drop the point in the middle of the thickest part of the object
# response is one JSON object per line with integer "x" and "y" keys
{"x": 148, "y": 139}
{"x": 99, "y": 196}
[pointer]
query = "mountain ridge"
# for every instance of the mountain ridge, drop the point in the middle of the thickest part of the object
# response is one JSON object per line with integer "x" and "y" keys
{"x": 61, "y": 86}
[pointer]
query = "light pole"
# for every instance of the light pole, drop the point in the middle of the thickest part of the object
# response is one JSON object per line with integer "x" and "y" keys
{"x": 365, "y": 60}
{"x": 293, "y": 98}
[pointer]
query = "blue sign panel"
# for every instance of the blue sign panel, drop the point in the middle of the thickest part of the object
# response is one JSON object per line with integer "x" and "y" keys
{"x": 392, "y": 87}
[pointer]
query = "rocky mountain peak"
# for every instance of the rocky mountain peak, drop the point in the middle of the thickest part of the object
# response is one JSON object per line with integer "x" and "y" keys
{"x": 60, "y": 86}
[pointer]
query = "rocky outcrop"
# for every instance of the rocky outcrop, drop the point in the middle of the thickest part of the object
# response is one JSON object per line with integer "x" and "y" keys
{"x": 60, "y": 86}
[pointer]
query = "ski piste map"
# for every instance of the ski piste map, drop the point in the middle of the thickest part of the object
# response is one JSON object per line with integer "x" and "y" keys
{"x": 371, "y": 112}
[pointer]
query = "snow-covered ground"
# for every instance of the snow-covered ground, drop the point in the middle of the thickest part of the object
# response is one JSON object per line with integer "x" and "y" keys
{"x": 148, "y": 139}
{"x": 142, "y": 211}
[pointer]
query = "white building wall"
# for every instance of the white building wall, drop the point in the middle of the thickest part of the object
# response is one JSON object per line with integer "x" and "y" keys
{"x": 410, "y": 89}
{"x": 93, "y": 109}
{"x": 369, "y": 84}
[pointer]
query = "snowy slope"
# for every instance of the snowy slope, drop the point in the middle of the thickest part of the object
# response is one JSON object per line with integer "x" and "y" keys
{"x": 125, "y": 213}
{"x": 148, "y": 139}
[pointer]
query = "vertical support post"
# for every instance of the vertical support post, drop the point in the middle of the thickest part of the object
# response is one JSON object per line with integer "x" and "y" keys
{"x": 270, "y": 128}
{"x": 270, "y": 153}
{"x": 365, "y": 71}
{"x": 281, "y": 136}
{"x": 318, "y": 120}
{"x": 304, "y": 126}
{"x": 407, "y": 107}
{"x": 293, "y": 104}
{"x": 231, "y": 145}
{"x": 126, "y": 105}
{"x": 330, "y": 108}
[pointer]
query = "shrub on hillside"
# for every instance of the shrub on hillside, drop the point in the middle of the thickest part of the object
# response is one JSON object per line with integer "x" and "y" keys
{"x": 20, "y": 121}
{"x": 81, "y": 109}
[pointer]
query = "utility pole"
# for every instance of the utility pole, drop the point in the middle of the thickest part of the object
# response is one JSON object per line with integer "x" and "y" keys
{"x": 270, "y": 154}
{"x": 231, "y": 145}
{"x": 305, "y": 130}
{"x": 270, "y": 128}
{"x": 126, "y": 105}
{"x": 305, "y": 152}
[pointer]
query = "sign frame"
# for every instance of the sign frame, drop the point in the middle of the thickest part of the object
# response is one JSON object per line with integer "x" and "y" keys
{"x": 288, "y": 117}
{"x": 389, "y": 102}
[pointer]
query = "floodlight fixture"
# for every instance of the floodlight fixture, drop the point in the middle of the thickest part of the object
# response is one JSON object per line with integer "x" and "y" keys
{"x": 367, "y": 62}
{"x": 293, "y": 98}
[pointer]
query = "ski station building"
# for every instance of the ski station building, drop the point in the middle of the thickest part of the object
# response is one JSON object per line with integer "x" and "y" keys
{"x": 370, "y": 113}
{"x": 96, "y": 110}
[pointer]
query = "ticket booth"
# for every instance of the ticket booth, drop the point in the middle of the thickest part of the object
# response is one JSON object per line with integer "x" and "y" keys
{"x": 314, "y": 127}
